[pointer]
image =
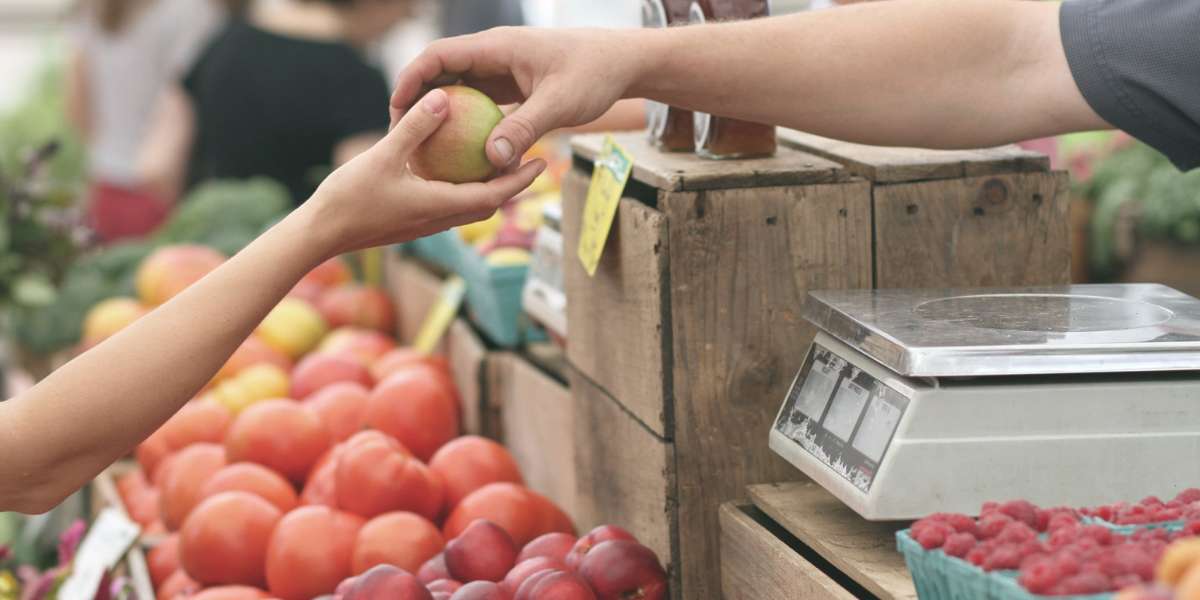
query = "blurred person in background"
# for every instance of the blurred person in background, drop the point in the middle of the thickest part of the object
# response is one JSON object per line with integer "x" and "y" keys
{"x": 460, "y": 17}
{"x": 285, "y": 93}
{"x": 123, "y": 54}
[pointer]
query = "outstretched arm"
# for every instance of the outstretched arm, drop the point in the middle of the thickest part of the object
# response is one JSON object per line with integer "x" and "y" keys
{"x": 928, "y": 73}
{"x": 58, "y": 435}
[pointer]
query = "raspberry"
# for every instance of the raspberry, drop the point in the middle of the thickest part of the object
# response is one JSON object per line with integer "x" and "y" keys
{"x": 1170, "y": 514}
{"x": 1021, "y": 510}
{"x": 1124, "y": 581}
{"x": 1066, "y": 563}
{"x": 933, "y": 535}
{"x": 1059, "y": 514}
{"x": 958, "y": 544}
{"x": 991, "y": 525}
{"x": 1004, "y": 557}
{"x": 1099, "y": 533}
{"x": 1017, "y": 532}
{"x": 1151, "y": 501}
{"x": 1086, "y": 583}
{"x": 962, "y": 524}
{"x": 1040, "y": 576}
{"x": 1064, "y": 536}
{"x": 977, "y": 555}
{"x": 989, "y": 508}
{"x": 1135, "y": 560}
{"x": 1189, "y": 496}
{"x": 1061, "y": 521}
{"x": 1192, "y": 528}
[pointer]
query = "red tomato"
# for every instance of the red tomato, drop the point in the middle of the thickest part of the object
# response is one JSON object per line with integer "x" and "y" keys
{"x": 401, "y": 539}
{"x": 198, "y": 421}
{"x": 256, "y": 479}
{"x": 375, "y": 475}
{"x": 415, "y": 408}
{"x": 184, "y": 475}
{"x": 280, "y": 435}
{"x": 470, "y": 462}
{"x": 163, "y": 559}
{"x": 359, "y": 306}
{"x": 321, "y": 488}
{"x": 310, "y": 552}
{"x": 178, "y": 585}
{"x": 316, "y": 371}
{"x": 224, "y": 540}
{"x": 231, "y": 592}
{"x": 523, "y": 513}
{"x": 342, "y": 407}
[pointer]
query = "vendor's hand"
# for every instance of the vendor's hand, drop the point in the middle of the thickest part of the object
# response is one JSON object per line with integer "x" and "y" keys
{"x": 374, "y": 199}
{"x": 562, "y": 78}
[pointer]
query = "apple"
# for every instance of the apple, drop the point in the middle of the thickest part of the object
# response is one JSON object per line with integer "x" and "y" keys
{"x": 528, "y": 568}
{"x": 479, "y": 590}
{"x": 602, "y": 533}
{"x": 483, "y": 552}
{"x": 551, "y": 545}
{"x": 564, "y": 585}
{"x": 433, "y": 569}
{"x": 456, "y": 152}
{"x": 620, "y": 569}
{"x": 525, "y": 592}
{"x": 386, "y": 581}
{"x": 293, "y": 327}
{"x": 443, "y": 585}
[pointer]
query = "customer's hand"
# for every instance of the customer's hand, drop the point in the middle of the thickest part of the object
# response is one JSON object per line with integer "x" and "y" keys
{"x": 562, "y": 78}
{"x": 375, "y": 199}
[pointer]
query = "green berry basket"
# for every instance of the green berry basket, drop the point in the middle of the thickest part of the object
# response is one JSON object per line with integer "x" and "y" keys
{"x": 940, "y": 577}
{"x": 493, "y": 295}
{"x": 1171, "y": 526}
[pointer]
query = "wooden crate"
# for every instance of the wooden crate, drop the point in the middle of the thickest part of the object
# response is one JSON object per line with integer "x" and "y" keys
{"x": 535, "y": 419}
{"x": 691, "y": 327}
{"x": 414, "y": 289}
{"x": 795, "y": 540}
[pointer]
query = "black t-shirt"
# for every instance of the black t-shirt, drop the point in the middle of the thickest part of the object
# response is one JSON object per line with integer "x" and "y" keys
{"x": 1137, "y": 64}
{"x": 276, "y": 106}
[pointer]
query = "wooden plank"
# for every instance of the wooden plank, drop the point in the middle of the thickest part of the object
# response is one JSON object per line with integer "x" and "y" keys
{"x": 617, "y": 316}
{"x": 676, "y": 171}
{"x": 466, "y": 354}
{"x": 894, "y": 165}
{"x": 624, "y": 472}
{"x": 537, "y": 416}
{"x": 756, "y": 565}
{"x": 1004, "y": 230}
{"x": 864, "y": 550}
{"x": 741, "y": 263}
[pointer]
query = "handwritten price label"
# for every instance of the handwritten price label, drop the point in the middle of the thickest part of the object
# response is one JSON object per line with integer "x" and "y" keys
{"x": 609, "y": 176}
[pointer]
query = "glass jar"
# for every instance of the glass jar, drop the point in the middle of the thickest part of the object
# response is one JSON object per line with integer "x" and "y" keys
{"x": 724, "y": 137}
{"x": 670, "y": 128}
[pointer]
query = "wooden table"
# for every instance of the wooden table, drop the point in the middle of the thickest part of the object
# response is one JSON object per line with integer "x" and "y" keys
{"x": 795, "y": 540}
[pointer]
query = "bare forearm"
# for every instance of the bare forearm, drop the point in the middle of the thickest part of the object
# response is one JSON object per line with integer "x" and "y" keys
{"x": 930, "y": 73}
{"x": 100, "y": 405}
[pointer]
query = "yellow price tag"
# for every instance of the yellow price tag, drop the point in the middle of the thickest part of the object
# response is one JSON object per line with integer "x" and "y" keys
{"x": 609, "y": 175}
{"x": 440, "y": 316}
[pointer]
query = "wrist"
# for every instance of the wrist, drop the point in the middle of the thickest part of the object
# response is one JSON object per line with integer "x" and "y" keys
{"x": 648, "y": 53}
{"x": 311, "y": 232}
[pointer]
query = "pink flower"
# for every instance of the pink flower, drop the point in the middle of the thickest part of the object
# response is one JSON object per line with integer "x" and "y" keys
{"x": 68, "y": 542}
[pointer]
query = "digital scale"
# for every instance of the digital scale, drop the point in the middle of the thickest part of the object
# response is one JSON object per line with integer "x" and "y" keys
{"x": 911, "y": 402}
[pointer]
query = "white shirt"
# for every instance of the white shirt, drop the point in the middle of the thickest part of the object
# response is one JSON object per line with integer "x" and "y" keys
{"x": 126, "y": 71}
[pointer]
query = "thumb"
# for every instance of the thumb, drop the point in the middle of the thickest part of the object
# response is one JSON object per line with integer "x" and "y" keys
{"x": 517, "y": 132}
{"x": 418, "y": 123}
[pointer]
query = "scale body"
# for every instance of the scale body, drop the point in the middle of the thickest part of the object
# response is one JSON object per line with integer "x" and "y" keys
{"x": 911, "y": 402}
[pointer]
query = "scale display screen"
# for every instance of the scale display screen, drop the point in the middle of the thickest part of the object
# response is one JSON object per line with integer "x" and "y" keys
{"x": 842, "y": 415}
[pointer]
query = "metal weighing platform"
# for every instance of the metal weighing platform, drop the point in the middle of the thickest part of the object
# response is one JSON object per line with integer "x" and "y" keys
{"x": 911, "y": 402}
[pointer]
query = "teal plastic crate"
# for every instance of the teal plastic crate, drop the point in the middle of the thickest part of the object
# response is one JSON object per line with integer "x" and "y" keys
{"x": 940, "y": 577}
{"x": 1171, "y": 526}
{"x": 493, "y": 295}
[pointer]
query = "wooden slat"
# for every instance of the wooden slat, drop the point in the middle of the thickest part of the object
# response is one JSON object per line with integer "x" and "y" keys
{"x": 864, "y": 550}
{"x": 1004, "y": 230}
{"x": 741, "y": 263}
{"x": 466, "y": 354}
{"x": 538, "y": 425}
{"x": 617, "y": 315}
{"x": 625, "y": 474}
{"x": 675, "y": 171}
{"x": 756, "y": 565}
{"x": 894, "y": 165}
